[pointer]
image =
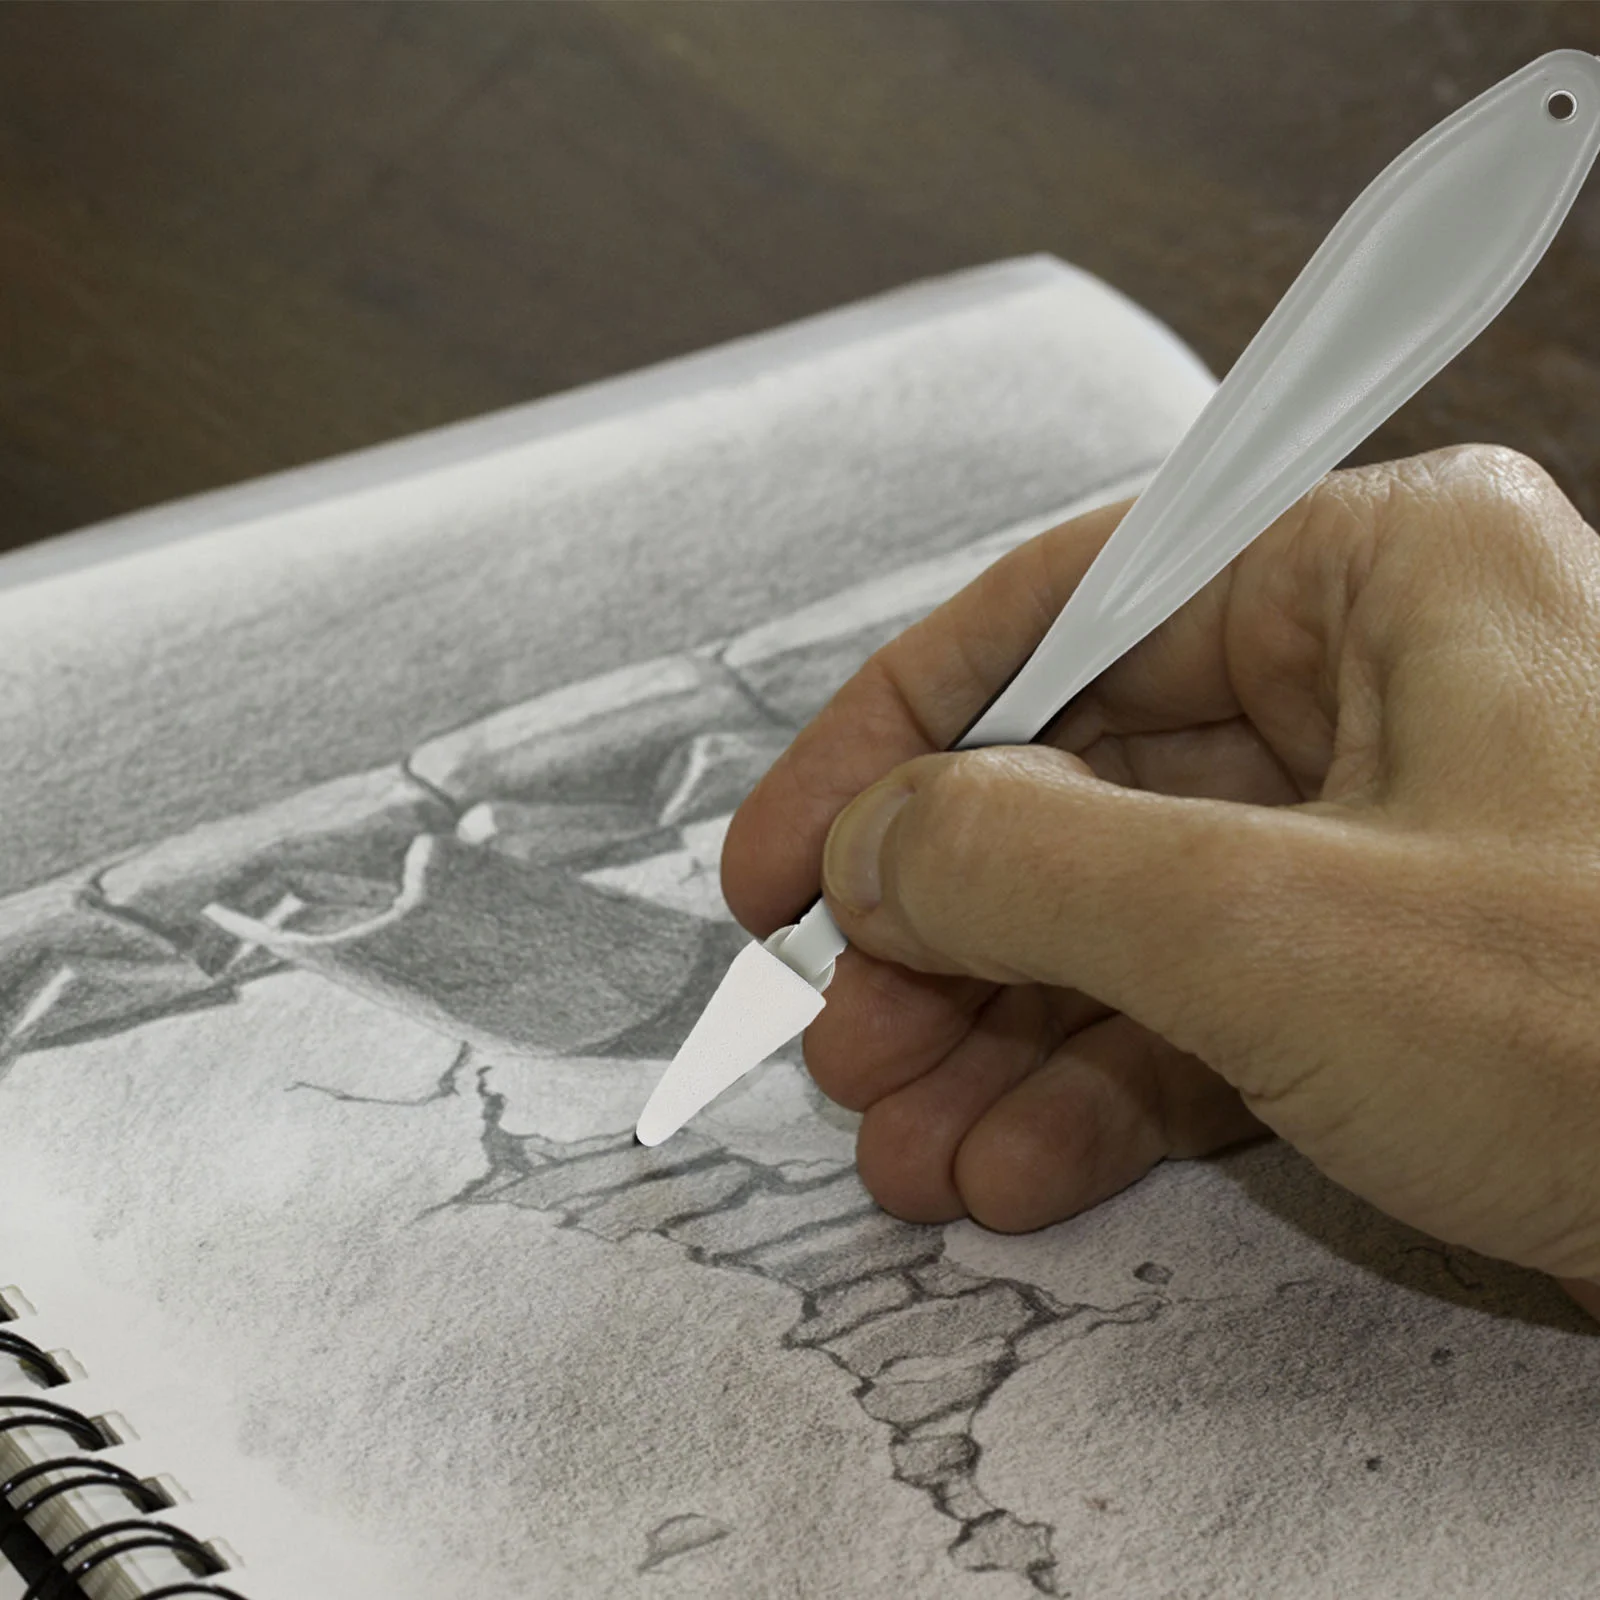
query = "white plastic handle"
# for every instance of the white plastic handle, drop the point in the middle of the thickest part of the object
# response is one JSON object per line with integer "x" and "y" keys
{"x": 1418, "y": 266}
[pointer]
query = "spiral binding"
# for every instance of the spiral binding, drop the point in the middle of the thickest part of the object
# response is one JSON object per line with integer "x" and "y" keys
{"x": 64, "y": 1569}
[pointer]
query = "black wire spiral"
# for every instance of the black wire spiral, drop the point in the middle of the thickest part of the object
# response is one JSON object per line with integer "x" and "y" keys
{"x": 71, "y": 1563}
{"x": 65, "y": 1568}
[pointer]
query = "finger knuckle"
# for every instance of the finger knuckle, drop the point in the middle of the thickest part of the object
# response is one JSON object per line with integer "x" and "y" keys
{"x": 1462, "y": 517}
{"x": 1520, "y": 527}
{"x": 1505, "y": 491}
{"x": 1502, "y": 472}
{"x": 1475, "y": 479}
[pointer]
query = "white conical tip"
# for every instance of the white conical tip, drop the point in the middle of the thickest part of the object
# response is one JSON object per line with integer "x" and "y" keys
{"x": 760, "y": 1005}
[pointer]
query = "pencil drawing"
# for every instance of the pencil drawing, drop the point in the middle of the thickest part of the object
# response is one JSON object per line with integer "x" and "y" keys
{"x": 924, "y": 1343}
{"x": 544, "y": 878}
{"x": 318, "y": 1067}
{"x": 544, "y": 882}
{"x": 540, "y": 887}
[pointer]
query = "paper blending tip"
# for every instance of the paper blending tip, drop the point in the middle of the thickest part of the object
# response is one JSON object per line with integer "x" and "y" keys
{"x": 760, "y": 1005}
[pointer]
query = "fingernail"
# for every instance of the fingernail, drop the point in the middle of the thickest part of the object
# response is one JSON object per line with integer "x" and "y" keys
{"x": 851, "y": 858}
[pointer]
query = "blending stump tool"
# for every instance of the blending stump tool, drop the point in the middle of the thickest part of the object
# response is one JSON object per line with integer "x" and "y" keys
{"x": 1418, "y": 266}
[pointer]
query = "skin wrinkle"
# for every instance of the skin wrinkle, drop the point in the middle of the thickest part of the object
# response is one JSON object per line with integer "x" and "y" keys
{"x": 1362, "y": 757}
{"x": 1234, "y": 746}
{"x": 1244, "y": 689}
{"x": 1301, "y": 721}
{"x": 906, "y": 698}
{"x": 1321, "y": 633}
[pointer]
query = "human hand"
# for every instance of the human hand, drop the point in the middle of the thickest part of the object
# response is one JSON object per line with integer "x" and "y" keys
{"x": 1319, "y": 857}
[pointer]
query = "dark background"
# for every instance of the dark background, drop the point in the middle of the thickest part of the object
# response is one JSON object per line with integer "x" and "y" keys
{"x": 238, "y": 237}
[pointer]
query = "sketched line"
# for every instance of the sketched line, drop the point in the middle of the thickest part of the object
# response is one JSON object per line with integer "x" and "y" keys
{"x": 447, "y": 1086}
{"x": 413, "y": 882}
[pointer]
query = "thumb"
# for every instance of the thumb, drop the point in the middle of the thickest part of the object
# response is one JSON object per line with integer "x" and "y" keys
{"x": 1196, "y": 918}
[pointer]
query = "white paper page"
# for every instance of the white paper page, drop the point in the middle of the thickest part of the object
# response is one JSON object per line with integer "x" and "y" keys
{"x": 397, "y": 889}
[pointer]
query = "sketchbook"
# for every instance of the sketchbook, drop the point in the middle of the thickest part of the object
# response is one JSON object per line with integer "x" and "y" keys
{"x": 359, "y": 877}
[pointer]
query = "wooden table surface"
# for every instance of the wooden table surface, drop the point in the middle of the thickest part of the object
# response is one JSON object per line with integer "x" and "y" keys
{"x": 238, "y": 237}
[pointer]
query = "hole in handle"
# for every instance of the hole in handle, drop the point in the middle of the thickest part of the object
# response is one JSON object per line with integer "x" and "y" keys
{"x": 1561, "y": 105}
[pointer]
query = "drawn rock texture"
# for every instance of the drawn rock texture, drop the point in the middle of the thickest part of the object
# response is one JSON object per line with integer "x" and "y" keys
{"x": 709, "y": 775}
{"x": 595, "y": 740}
{"x": 924, "y": 1343}
{"x": 356, "y": 830}
{"x": 687, "y": 876}
{"x": 934, "y": 1328}
{"x": 500, "y": 951}
{"x": 554, "y": 832}
{"x": 69, "y": 968}
{"x": 837, "y": 1310}
{"x": 794, "y": 664}
{"x": 624, "y": 781}
{"x": 764, "y": 1218}
{"x": 566, "y": 902}
{"x": 794, "y": 674}
{"x": 829, "y": 1257}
